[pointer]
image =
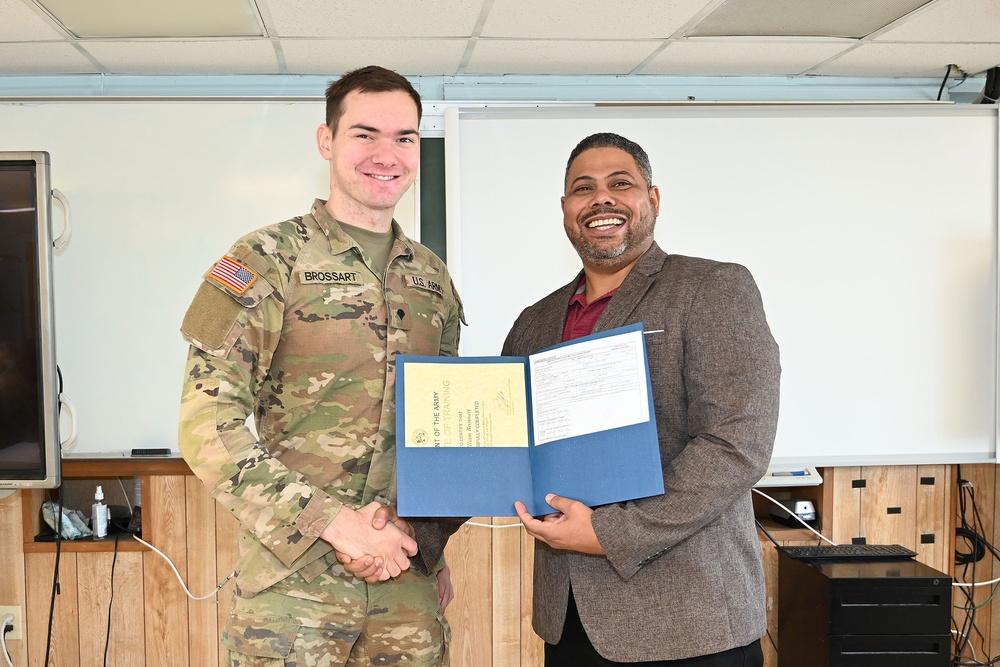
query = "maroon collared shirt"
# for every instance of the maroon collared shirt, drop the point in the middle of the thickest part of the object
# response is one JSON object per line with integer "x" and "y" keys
{"x": 582, "y": 316}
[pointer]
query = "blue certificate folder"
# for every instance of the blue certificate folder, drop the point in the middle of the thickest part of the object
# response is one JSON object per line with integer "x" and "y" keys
{"x": 609, "y": 465}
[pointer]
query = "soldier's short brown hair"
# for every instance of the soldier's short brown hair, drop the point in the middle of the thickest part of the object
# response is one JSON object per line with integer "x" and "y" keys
{"x": 370, "y": 79}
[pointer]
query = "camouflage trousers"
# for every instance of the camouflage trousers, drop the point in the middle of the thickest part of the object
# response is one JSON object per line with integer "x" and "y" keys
{"x": 336, "y": 620}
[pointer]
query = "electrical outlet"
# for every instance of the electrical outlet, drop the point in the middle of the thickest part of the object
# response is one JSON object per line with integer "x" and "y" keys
{"x": 15, "y": 611}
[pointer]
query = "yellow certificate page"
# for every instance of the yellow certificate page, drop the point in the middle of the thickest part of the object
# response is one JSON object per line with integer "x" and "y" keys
{"x": 465, "y": 405}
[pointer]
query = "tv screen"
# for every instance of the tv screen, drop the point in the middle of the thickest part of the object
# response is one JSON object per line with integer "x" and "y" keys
{"x": 29, "y": 393}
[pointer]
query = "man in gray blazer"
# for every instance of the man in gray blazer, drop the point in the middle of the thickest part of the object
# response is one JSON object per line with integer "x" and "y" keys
{"x": 674, "y": 579}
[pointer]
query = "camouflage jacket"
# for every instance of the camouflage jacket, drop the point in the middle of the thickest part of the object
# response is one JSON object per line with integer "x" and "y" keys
{"x": 294, "y": 327}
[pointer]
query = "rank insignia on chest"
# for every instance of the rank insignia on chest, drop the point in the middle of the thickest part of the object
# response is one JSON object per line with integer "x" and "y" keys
{"x": 237, "y": 277}
{"x": 423, "y": 282}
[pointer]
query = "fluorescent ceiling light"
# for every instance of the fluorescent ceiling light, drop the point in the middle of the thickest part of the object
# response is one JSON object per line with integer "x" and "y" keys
{"x": 113, "y": 19}
{"x": 802, "y": 18}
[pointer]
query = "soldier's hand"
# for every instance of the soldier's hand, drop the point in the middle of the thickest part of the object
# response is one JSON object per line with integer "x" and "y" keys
{"x": 366, "y": 567}
{"x": 369, "y": 567}
{"x": 352, "y": 533}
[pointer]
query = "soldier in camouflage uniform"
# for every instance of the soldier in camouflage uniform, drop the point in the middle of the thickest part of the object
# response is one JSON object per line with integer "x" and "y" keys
{"x": 299, "y": 325}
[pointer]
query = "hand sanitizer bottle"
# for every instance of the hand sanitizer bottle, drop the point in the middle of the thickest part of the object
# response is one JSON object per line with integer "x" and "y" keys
{"x": 99, "y": 515}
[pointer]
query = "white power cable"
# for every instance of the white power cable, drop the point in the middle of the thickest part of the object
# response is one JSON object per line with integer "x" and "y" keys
{"x": 962, "y": 584}
{"x": 7, "y": 620}
{"x": 971, "y": 647}
{"x": 183, "y": 585}
{"x": 128, "y": 502}
{"x": 492, "y": 525}
{"x": 797, "y": 517}
{"x": 166, "y": 558}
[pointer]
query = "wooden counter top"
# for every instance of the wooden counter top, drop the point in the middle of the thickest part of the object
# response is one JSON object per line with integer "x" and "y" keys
{"x": 125, "y": 466}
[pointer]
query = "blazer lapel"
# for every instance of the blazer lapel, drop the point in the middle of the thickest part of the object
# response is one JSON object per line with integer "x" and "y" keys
{"x": 547, "y": 328}
{"x": 632, "y": 290}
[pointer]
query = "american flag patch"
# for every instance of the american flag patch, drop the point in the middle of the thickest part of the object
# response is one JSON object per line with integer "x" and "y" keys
{"x": 232, "y": 274}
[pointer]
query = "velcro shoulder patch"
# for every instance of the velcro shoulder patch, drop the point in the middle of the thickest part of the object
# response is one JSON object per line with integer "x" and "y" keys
{"x": 424, "y": 283}
{"x": 210, "y": 320}
{"x": 235, "y": 284}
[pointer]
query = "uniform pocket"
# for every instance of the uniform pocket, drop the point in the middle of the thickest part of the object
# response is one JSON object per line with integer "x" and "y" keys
{"x": 259, "y": 641}
{"x": 445, "y": 639}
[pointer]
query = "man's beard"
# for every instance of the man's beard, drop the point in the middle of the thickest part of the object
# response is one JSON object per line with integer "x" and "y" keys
{"x": 604, "y": 254}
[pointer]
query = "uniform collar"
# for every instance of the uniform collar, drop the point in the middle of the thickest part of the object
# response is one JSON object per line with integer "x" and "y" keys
{"x": 341, "y": 241}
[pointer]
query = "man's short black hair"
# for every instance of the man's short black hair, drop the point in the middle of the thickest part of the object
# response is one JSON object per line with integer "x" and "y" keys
{"x": 612, "y": 140}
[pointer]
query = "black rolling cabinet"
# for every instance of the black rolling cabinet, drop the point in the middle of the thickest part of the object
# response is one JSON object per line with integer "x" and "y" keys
{"x": 862, "y": 613}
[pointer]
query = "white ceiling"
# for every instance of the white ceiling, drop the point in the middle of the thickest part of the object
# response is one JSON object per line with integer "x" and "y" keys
{"x": 494, "y": 37}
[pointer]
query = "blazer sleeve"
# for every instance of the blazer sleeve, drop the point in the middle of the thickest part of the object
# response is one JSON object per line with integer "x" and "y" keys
{"x": 730, "y": 377}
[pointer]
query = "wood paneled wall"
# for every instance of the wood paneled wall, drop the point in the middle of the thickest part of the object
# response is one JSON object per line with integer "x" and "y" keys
{"x": 153, "y": 622}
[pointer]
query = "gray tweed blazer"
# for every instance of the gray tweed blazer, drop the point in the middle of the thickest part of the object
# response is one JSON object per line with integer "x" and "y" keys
{"x": 682, "y": 574}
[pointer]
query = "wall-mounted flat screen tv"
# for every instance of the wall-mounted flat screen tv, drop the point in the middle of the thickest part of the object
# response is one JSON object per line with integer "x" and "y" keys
{"x": 29, "y": 391}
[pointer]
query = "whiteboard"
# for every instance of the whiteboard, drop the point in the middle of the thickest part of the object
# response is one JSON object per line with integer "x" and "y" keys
{"x": 871, "y": 231}
{"x": 158, "y": 191}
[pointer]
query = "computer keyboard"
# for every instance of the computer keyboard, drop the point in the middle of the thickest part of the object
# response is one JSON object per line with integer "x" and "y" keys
{"x": 850, "y": 552}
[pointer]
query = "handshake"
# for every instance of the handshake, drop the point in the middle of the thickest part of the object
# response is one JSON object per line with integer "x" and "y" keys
{"x": 373, "y": 543}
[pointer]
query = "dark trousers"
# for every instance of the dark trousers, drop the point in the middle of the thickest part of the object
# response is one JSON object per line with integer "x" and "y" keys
{"x": 575, "y": 650}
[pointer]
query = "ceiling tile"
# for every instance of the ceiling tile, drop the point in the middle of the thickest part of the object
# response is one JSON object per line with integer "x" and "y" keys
{"x": 334, "y": 57}
{"x": 611, "y": 19}
{"x": 529, "y": 37}
{"x": 500, "y": 56}
{"x": 21, "y": 24}
{"x": 744, "y": 57}
{"x": 186, "y": 57}
{"x": 374, "y": 18}
{"x": 950, "y": 21}
{"x": 43, "y": 59}
{"x": 156, "y": 18}
{"x": 911, "y": 60}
